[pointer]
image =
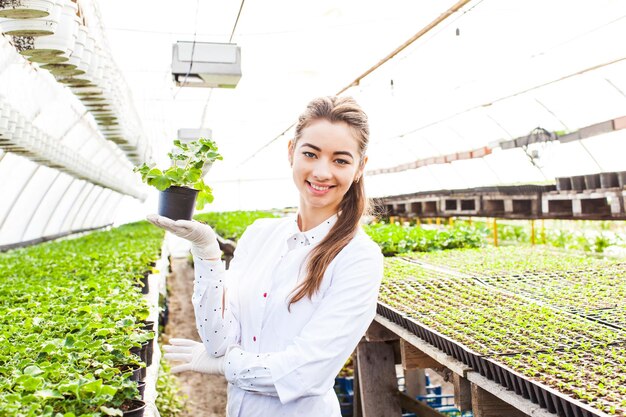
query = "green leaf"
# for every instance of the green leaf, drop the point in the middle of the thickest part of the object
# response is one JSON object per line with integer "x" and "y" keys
{"x": 111, "y": 411}
{"x": 48, "y": 393}
{"x": 69, "y": 341}
{"x": 161, "y": 183}
{"x": 93, "y": 386}
{"x": 108, "y": 390}
{"x": 193, "y": 175}
{"x": 154, "y": 173}
{"x": 33, "y": 370}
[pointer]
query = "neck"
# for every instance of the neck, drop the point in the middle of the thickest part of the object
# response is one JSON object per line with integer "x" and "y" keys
{"x": 308, "y": 218}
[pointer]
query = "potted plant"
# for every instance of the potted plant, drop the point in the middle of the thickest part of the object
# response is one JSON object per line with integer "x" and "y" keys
{"x": 181, "y": 185}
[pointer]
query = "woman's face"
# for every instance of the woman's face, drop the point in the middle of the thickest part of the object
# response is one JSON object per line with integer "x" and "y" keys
{"x": 325, "y": 162}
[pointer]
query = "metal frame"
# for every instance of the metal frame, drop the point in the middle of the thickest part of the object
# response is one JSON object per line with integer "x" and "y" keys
{"x": 12, "y": 206}
{"x": 100, "y": 197}
{"x": 38, "y": 206}
{"x": 42, "y": 239}
{"x": 56, "y": 207}
{"x": 93, "y": 191}
{"x": 111, "y": 212}
{"x": 81, "y": 192}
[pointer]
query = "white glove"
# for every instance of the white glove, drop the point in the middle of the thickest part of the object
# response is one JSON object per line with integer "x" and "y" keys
{"x": 203, "y": 239}
{"x": 194, "y": 356}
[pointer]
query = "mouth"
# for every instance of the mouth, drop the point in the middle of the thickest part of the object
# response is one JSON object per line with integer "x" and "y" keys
{"x": 318, "y": 189}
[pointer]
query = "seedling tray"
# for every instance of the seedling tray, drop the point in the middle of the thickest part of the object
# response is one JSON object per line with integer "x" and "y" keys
{"x": 546, "y": 397}
{"x": 441, "y": 342}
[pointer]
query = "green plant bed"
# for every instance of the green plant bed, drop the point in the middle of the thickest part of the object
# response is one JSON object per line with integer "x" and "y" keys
{"x": 491, "y": 260}
{"x": 70, "y": 312}
{"x": 487, "y": 321}
{"x": 232, "y": 224}
{"x": 587, "y": 286}
{"x": 593, "y": 375}
{"x": 395, "y": 239}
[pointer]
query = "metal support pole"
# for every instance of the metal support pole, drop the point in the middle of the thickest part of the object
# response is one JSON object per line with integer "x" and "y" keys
{"x": 101, "y": 196}
{"x": 81, "y": 192}
{"x": 56, "y": 206}
{"x": 17, "y": 197}
{"x": 97, "y": 195}
{"x": 38, "y": 206}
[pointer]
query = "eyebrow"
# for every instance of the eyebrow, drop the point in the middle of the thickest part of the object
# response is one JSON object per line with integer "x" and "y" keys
{"x": 317, "y": 148}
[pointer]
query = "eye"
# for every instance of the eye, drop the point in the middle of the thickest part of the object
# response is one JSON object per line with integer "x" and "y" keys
{"x": 342, "y": 161}
{"x": 308, "y": 154}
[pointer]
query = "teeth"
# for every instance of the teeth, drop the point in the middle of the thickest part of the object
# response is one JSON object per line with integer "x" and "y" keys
{"x": 315, "y": 187}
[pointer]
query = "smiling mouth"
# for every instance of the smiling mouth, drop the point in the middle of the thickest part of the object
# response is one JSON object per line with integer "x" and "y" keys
{"x": 319, "y": 188}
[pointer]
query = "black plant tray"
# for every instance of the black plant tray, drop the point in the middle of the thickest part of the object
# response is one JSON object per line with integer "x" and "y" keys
{"x": 392, "y": 314}
{"x": 545, "y": 397}
{"x": 441, "y": 342}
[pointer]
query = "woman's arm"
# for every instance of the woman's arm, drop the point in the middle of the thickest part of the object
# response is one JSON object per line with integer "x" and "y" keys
{"x": 214, "y": 298}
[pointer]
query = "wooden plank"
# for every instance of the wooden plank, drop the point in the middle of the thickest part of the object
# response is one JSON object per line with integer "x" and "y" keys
{"x": 485, "y": 404}
{"x": 462, "y": 393}
{"x": 438, "y": 355}
{"x": 419, "y": 408}
{"x": 378, "y": 386}
{"x": 415, "y": 382}
{"x": 525, "y": 406}
{"x": 379, "y": 333}
{"x": 413, "y": 358}
{"x": 356, "y": 401}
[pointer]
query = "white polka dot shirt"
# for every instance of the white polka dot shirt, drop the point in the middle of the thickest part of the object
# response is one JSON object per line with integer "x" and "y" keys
{"x": 280, "y": 362}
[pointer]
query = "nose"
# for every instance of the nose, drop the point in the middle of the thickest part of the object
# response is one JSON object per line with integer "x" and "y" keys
{"x": 322, "y": 170}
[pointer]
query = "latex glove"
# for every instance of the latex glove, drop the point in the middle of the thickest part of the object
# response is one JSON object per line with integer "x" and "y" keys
{"x": 202, "y": 237}
{"x": 194, "y": 357}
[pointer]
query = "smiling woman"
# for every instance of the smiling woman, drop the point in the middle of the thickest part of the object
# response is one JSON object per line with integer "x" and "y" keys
{"x": 300, "y": 292}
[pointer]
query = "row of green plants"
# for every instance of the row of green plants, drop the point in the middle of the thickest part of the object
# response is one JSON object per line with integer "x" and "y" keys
{"x": 485, "y": 320}
{"x": 232, "y": 224}
{"x": 586, "y": 285}
{"x": 575, "y": 235}
{"x": 595, "y": 375}
{"x": 395, "y": 238}
{"x": 170, "y": 400}
{"x": 511, "y": 260}
{"x": 70, "y": 312}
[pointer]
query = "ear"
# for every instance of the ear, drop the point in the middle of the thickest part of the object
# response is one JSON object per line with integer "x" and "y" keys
{"x": 290, "y": 151}
{"x": 359, "y": 172}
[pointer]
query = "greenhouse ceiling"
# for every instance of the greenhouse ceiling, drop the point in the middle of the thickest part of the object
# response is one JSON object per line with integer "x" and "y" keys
{"x": 466, "y": 76}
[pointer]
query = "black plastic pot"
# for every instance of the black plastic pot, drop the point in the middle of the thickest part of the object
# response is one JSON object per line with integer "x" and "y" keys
{"x": 135, "y": 408}
{"x": 141, "y": 387}
{"x": 149, "y": 326}
{"x": 135, "y": 369}
{"x": 145, "y": 288}
{"x": 177, "y": 203}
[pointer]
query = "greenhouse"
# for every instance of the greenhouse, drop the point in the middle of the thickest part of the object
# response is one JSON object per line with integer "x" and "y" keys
{"x": 329, "y": 209}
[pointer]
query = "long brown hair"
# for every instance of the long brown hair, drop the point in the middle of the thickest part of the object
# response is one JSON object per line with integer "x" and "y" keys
{"x": 354, "y": 203}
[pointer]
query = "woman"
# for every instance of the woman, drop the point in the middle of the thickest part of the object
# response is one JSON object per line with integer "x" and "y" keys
{"x": 300, "y": 292}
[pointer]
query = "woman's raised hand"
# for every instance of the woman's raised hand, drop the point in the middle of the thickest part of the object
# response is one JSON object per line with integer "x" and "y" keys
{"x": 202, "y": 237}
